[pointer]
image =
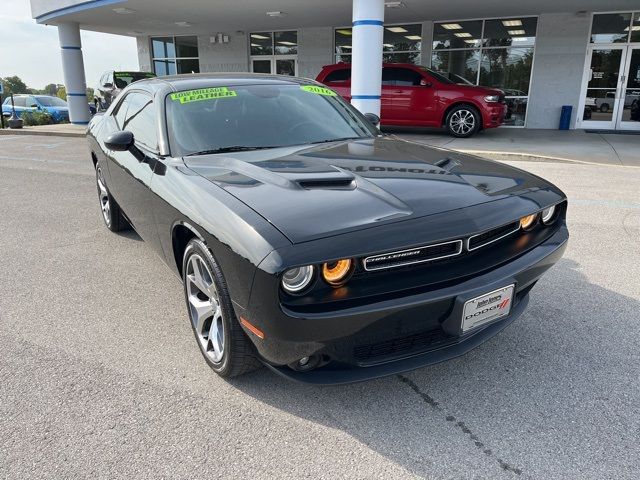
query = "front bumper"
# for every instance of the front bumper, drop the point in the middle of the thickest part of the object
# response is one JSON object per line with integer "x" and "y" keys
{"x": 397, "y": 335}
{"x": 494, "y": 115}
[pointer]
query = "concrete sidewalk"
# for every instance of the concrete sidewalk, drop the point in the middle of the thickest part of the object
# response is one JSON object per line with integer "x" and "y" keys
{"x": 501, "y": 143}
{"x": 505, "y": 143}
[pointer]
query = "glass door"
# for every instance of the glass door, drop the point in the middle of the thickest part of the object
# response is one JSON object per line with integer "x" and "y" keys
{"x": 602, "y": 92}
{"x": 280, "y": 65}
{"x": 629, "y": 115}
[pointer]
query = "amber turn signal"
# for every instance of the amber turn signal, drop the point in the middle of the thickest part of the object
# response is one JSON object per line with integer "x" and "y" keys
{"x": 527, "y": 222}
{"x": 337, "y": 273}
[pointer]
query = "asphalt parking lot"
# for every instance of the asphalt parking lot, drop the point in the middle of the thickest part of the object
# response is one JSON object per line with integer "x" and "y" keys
{"x": 100, "y": 376}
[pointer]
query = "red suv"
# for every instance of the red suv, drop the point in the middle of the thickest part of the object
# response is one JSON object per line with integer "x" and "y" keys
{"x": 417, "y": 96}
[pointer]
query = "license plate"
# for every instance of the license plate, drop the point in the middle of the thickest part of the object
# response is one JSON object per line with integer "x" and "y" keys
{"x": 487, "y": 307}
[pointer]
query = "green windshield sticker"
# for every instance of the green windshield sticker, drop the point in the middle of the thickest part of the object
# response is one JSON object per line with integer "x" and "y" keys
{"x": 203, "y": 94}
{"x": 318, "y": 90}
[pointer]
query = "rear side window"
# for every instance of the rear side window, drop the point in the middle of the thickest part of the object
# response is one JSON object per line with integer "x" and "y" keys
{"x": 19, "y": 101}
{"x": 400, "y": 77}
{"x": 339, "y": 76}
{"x": 140, "y": 120}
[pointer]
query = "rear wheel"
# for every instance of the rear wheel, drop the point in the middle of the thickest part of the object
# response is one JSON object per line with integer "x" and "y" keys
{"x": 111, "y": 213}
{"x": 220, "y": 337}
{"x": 463, "y": 121}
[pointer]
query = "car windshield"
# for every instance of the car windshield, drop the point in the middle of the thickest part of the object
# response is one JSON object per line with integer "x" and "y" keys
{"x": 123, "y": 79}
{"x": 248, "y": 117}
{"x": 438, "y": 76}
{"x": 51, "y": 101}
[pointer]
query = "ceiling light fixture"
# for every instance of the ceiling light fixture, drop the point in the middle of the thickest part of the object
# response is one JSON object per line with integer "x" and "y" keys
{"x": 183, "y": 24}
{"x": 413, "y": 37}
{"x": 516, "y": 32}
{"x": 471, "y": 41}
{"x": 259, "y": 37}
{"x": 394, "y": 4}
{"x": 397, "y": 29}
{"x": 512, "y": 23}
{"x": 123, "y": 10}
{"x": 451, "y": 26}
{"x": 345, "y": 31}
{"x": 276, "y": 14}
{"x": 463, "y": 35}
{"x": 284, "y": 42}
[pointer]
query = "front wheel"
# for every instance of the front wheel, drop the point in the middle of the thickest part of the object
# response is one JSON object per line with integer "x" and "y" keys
{"x": 463, "y": 121}
{"x": 220, "y": 337}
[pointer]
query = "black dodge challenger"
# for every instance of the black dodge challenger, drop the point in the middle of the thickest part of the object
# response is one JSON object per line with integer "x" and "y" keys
{"x": 308, "y": 241}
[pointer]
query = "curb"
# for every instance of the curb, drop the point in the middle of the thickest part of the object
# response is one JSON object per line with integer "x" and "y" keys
{"x": 517, "y": 156}
{"x": 22, "y": 131}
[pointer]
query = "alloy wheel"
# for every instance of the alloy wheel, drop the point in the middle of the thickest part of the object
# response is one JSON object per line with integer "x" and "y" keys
{"x": 103, "y": 195}
{"x": 204, "y": 308}
{"x": 462, "y": 122}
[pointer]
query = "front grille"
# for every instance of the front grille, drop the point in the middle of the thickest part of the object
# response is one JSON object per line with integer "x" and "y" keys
{"x": 493, "y": 235}
{"x": 427, "y": 253}
{"x": 402, "y": 346}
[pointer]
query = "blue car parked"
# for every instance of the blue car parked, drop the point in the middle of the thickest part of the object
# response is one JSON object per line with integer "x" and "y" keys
{"x": 54, "y": 106}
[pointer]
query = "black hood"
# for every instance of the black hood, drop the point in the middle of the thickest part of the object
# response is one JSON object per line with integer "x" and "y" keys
{"x": 313, "y": 192}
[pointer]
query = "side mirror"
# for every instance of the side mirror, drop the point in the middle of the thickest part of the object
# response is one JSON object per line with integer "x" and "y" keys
{"x": 120, "y": 141}
{"x": 373, "y": 118}
{"x": 425, "y": 83}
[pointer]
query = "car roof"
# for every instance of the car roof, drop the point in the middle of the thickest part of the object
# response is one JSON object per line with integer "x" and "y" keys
{"x": 194, "y": 81}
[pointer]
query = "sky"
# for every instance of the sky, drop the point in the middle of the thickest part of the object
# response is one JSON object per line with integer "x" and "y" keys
{"x": 32, "y": 51}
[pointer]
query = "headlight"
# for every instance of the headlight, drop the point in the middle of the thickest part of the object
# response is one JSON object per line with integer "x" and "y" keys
{"x": 337, "y": 273}
{"x": 492, "y": 98}
{"x": 297, "y": 279}
{"x": 527, "y": 222}
{"x": 548, "y": 215}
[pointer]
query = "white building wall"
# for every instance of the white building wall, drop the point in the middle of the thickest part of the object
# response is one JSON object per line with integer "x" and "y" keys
{"x": 224, "y": 57}
{"x": 315, "y": 50}
{"x": 144, "y": 54}
{"x": 558, "y": 65}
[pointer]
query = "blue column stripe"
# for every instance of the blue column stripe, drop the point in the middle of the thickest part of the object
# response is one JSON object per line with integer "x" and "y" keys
{"x": 365, "y": 97}
{"x": 368, "y": 22}
{"x": 70, "y": 48}
{"x": 76, "y": 94}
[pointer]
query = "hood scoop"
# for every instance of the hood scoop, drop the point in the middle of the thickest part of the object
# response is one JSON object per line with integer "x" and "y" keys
{"x": 328, "y": 184}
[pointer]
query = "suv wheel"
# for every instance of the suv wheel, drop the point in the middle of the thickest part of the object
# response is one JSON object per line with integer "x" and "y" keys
{"x": 463, "y": 121}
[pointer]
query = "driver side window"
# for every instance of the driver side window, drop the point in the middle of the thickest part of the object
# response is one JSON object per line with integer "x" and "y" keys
{"x": 139, "y": 119}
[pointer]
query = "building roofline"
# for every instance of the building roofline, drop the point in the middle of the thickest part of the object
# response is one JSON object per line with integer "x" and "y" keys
{"x": 79, "y": 7}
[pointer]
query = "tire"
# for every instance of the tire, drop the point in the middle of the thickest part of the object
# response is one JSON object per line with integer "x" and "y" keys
{"x": 604, "y": 108}
{"x": 111, "y": 213}
{"x": 463, "y": 121}
{"x": 227, "y": 350}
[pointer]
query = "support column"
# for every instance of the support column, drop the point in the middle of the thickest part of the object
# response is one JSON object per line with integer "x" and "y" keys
{"x": 73, "y": 71}
{"x": 366, "y": 58}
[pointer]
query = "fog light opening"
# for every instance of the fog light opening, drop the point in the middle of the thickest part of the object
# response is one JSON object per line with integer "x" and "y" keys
{"x": 306, "y": 363}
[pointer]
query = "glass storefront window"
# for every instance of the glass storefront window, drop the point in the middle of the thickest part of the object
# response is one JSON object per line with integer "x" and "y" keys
{"x": 460, "y": 66}
{"x": 508, "y": 69}
{"x": 635, "y": 28}
{"x": 507, "y": 32}
{"x": 163, "y": 47}
{"x": 516, "y": 112}
{"x": 173, "y": 55}
{"x": 457, "y": 34}
{"x": 286, "y": 43}
{"x": 401, "y": 44}
{"x": 402, "y": 38}
{"x": 610, "y": 28}
{"x": 261, "y": 43}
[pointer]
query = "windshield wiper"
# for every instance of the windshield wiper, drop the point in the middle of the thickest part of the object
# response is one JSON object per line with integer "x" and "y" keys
{"x": 236, "y": 148}
{"x": 338, "y": 139}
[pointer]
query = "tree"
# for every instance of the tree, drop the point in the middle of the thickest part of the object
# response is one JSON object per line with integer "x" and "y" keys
{"x": 51, "y": 89}
{"x": 14, "y": 85}
{"x": 62, "y": 92}
{"x": 90, "y": 93}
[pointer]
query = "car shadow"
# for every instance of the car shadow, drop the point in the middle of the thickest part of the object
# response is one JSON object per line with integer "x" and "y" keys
{"x": 522, "y": 403}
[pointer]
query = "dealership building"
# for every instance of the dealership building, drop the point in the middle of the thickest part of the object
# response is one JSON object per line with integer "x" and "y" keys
{"x": 543, "y": 54}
